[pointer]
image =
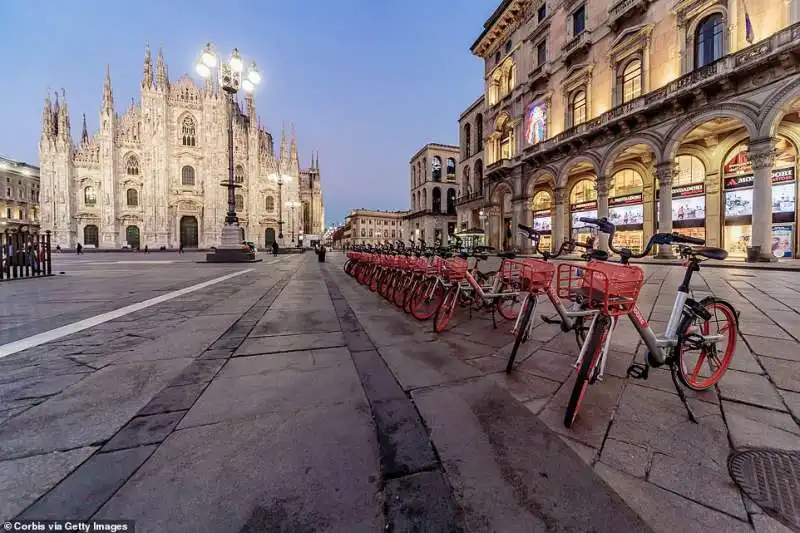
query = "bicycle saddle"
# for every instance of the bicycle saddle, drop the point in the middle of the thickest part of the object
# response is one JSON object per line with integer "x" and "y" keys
{"x": 710, "y": 252}
{"x": 529, "y": 230}
{"x": 507, "y": 255}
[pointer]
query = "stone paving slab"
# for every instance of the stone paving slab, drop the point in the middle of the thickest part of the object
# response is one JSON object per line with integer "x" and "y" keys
{"x": 636, "y": 433}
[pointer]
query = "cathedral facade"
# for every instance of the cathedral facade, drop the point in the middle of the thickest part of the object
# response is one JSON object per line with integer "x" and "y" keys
{"x": 153, "y": 175}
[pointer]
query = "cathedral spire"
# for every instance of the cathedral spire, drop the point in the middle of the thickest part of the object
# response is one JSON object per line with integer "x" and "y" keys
{"x": 250, "y": 107}
{"x": 162, "y": 77}
{"x": 47, "y": 117}
{"x": 293, "y": 149}
{"x": 147, "y": 78}
{"x": 108, "y": 95}
{"x": 284, "y": 147}
{"x": 85, "y": 132}
{"x": 63, "y": 125}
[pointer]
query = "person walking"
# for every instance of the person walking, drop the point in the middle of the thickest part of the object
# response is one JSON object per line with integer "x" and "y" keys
{"x": 180, "y": 249}
{"x": 275, "y": 248}
{"x": 79, "y": 249}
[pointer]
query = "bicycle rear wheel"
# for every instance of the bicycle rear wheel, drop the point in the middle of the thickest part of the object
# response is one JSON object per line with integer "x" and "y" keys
{"x": 445, "y": 310}
{"x": 702, "y": 365}
{"x": 522, "y": 332}
{"x": 586, "y": 372}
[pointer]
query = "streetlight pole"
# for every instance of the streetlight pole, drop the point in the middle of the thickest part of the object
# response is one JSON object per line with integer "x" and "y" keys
{"x": 232, "y": 77}
{"x": 279, "y": 178}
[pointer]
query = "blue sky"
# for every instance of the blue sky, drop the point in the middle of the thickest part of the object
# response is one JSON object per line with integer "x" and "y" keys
{"x": 366, "y": 82}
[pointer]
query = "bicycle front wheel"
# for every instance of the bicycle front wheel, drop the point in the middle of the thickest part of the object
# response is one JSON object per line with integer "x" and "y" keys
{"x": 446, "y": 309}
{"x": 702, "y": 364}
{"x": 586, "y": 372}
{"x": 522, "y": 329}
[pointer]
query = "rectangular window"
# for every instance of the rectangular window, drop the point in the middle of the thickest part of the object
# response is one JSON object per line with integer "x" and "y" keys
{"x": 541, "y": 53}
{"x": 579, "y": 21}
{"x": 505, "y": 148}
{"x": 8, "y": 212}
{"x": 542, "y": 13}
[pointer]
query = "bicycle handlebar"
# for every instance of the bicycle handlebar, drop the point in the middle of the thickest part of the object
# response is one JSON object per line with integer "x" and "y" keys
{"x": 659, "y": 238}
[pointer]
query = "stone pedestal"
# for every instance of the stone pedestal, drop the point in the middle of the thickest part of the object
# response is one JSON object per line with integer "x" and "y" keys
{"x": 231, "y": 250}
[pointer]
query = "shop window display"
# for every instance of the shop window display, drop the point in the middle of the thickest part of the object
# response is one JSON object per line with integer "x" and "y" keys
{"x": 582, "y": 203}
{"x": 738, "y": 201}
{"x": 688, "y": 198}
{"x": 542, "y": 207}
{"x": 626, "y": 209}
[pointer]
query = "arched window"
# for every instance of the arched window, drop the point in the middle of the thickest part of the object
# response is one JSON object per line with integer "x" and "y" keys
{"x": 541, "y": 200}
{"x": 188, "y": 132}
{"x": 467, "y": 140}
{"x": 583, "y": 191}
{"x": 238, "y": 174}
{"x": 630, "y": 80}
{"x": 132, "y": 195}
{"x": 436, "y": 200}
{"x": 89, "y": 197}
{"x": 436, "y": 168}
{"x": 479, "y": 175}
{"x": 132, "y": 166}
{"x": 451, "y": 201}
{"x": 690, "y": 170}
{"x": 479, "y": 132}
{"x": 270, "y": 203}
{"x": 187, "y": 176}
{"x": 708, "y": 40}
{"x": 578, "y": 107}
{"x": 451, "y": 168}
{"x": 239, "y": 202}
{"x": 506, "y": 146}
{"x": 625, "y": 182}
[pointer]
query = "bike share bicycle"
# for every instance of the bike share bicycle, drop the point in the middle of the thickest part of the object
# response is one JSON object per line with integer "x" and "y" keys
{"x": 611, "y": 290}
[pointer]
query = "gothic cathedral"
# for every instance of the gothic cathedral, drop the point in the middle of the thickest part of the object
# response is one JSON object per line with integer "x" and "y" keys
{"x": 153, "y": 175}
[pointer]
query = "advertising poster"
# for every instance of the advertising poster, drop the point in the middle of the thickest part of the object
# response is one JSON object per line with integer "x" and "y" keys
{"x": 626, "y": 215}
{"x": 782, "y": 240}
{"x": 689, "y": 208}
{"x": 739, "y": 203}
{"x": 542, "y": 223}
{"x": 783, "y": 198}
{"x": 576, "y": 215}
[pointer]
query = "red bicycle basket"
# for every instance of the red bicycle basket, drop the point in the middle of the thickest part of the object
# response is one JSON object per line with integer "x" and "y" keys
{"x": 420, "y": 264}
{"x": 531, "y": 275}
{"x": 435, "y": 266}
{"x": 610, "y": 287}
{"x": 455, "y": 269}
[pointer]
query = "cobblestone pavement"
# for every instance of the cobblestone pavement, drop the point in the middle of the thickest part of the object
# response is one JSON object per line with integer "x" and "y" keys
{"x": 293, "y": 399}
{"x": 635, "y": 433}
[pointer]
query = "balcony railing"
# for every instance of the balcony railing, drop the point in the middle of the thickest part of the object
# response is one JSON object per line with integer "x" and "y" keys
{"x": 577, "y": 43}
{"x": 471, "y": 197}
{"x": 622, "y": 9}
{"x": 741, "y": 61}
{"x": 539, "y": 73}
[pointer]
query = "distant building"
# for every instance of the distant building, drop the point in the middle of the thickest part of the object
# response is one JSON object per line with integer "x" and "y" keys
{"x": 151, "y": 175}
{"x": 370, "y": 226}
{"x": 434, "y": 189}
{"x": 19, "y": 196}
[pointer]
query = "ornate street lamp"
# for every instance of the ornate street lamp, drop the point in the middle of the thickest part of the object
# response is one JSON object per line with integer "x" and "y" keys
{"x": 232, "y": 76}
{"x": 280, "y": 179}
{"x": 292, "y": 205}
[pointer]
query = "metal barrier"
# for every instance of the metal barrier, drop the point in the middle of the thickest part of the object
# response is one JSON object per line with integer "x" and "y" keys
{"x": 25, "y": 255}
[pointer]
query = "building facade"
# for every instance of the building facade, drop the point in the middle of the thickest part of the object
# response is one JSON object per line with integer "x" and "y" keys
{"x": 152, "y": 176}
{"x": 371, "y": 226}
{"x": 434, "y": 188}
{"x": 659, "y": 114}
{"x": 470, "y": 200}
{"x": 19, "y": 196}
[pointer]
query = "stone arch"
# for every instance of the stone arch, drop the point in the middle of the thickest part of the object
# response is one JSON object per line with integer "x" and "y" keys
{"x": 502, "y": 119}
{"x": 702, "y": 155}
{"x": 776, "y": 107}
{"x": 719, "y": 153}
{"x": 499, "y": 190}
{"x": 544, "y": 175}
{"x": 677, "y": 133}
{"x": 587, "y": 157}
{"x": 651, "y": 141}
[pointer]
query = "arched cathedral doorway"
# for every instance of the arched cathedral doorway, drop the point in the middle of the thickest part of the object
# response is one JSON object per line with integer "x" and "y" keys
{"x": 189, "y": 238}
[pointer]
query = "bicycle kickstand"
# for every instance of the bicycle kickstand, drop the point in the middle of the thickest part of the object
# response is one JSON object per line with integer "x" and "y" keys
{"x": 681, "y": 394}
{"x": 494, "y": 319}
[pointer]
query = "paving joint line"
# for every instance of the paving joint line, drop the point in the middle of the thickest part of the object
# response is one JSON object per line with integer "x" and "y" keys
{"x": 400, "y": 473}
{"x": 270, "y": 295}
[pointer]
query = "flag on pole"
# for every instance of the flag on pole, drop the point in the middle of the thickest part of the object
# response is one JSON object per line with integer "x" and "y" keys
{"x": 748, "y": 26}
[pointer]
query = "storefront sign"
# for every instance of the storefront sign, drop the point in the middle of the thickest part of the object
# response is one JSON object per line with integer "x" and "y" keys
{"x": 541, "y": 213}
{"x": 629, "y": 199}
{"x": 782, "y": 175}
{"x": 583, "y": 206}
{"x": 688, "y": 191}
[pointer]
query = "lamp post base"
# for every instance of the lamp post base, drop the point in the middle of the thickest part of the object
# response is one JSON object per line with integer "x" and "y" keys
{"x": 232, "y": 250}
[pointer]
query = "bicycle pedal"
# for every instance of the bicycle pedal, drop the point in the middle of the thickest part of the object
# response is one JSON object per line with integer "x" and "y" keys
{"x": 638, "y": 371}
